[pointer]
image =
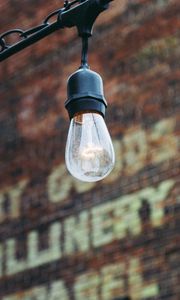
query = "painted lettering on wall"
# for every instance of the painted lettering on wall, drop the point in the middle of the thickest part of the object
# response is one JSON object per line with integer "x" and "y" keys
{"x": 109, "y": 282}
{"x": 54, "y": 291}
{"x": 92, "y": 228}
{"x": 12, "y": 195}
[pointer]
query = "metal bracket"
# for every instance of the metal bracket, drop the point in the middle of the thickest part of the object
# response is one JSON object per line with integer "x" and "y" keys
{"x": 83, "y": 16}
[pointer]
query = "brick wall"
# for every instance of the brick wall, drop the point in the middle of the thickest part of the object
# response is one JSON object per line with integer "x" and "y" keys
{"x": 63, "y": 239}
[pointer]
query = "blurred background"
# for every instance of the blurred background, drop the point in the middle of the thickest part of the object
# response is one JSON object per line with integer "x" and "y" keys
{"x": 117, "y": 238}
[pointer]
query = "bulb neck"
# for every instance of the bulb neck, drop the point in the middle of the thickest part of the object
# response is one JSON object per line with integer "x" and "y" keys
{"x": 85, "y": 93}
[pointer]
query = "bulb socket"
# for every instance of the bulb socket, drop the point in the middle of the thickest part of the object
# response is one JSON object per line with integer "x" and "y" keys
{"x": 85, "y": 93}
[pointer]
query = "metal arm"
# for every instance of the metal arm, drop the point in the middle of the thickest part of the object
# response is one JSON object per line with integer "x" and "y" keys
{"x": 79, "y": 13}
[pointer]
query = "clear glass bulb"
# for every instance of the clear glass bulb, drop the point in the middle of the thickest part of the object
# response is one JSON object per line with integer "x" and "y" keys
{"x": 89, "y": 151}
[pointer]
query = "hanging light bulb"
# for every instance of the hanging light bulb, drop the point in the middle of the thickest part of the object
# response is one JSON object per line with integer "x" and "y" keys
{"x": 89, "y": 151}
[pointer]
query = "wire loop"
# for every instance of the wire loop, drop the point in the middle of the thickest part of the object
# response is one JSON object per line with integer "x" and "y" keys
{"x": 26, "y": 33}
{"x": 56, "y": 12}
{"x": 4, "y": 44}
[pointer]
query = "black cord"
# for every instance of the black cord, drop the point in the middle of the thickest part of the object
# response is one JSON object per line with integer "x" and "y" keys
{"x": 84, "y": 56}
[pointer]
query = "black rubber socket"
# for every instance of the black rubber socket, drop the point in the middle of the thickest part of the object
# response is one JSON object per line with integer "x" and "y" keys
{"x": 85, "y": 93}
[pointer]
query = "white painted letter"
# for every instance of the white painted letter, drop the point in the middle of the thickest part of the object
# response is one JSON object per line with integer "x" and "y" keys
{"x": 77, "y": 233}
